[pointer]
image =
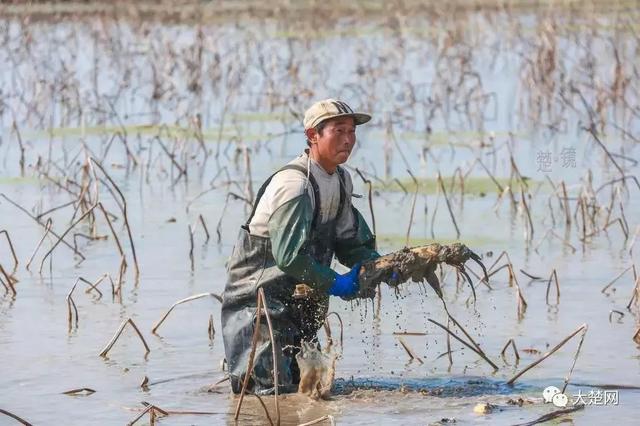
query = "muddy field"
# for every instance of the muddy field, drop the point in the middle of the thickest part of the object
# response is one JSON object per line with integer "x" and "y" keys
{"x": 133, "y": 140}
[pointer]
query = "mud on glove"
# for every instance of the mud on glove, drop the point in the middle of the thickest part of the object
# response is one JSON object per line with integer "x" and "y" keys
{"x": 346, "y": 285}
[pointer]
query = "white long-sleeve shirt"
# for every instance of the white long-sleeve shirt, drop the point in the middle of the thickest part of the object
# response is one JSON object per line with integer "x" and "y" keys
{"x": 289, "y": 184}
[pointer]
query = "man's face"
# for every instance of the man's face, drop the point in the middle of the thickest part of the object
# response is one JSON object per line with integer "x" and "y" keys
{"x": 335, "y": 143}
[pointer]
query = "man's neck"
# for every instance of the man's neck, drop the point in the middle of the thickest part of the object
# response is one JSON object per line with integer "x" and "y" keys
{"x": 327, "y": 166}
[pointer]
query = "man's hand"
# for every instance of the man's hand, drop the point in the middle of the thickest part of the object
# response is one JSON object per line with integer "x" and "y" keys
{"x": 347, "y": 284}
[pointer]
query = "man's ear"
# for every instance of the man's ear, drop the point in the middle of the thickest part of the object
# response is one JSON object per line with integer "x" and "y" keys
{"x": 311, "y": 134}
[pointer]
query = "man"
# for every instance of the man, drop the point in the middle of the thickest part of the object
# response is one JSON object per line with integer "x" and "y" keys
{"x": 302, "y": 217}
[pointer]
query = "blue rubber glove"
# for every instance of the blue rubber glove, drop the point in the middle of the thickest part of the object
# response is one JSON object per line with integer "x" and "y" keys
{"x": 347, "y": 284}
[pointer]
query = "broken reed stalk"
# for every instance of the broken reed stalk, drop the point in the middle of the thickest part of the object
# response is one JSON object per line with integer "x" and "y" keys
{"x": 526, "y": 209}
{"x": 625, "y": 228}
{"x": 77, "y": 235}
{"x": 211, "y": 331}
{"x": 19, "y": 138}
{"x": 500, "y": 256}
{"x": 85, "y": 214}
{"x": 197, "y": 122}
{"x": 6, "y": 287}
{"x": 252, "y": 354}
{"x": 463, "y": 272}
{"x": 404, "y": 189}
{"x": 155, "y": 407}
{"x": 409, "y": 351}
{"x": 204, "y": 226}
{"x": 113, "y": 286}
{"x": 435, "y": 211}
{"x": 273, "y": 352}
{"x": 43, "y": 225}
{"x": 499, "y": 198}
{"x": 264, "y": 407}
{"x": 261, "y": 309}
{"x": 522, "y": 303}
{"x": 191, "y": 230}
{"x": 457, "y": 324}
{"x": 141, "y": 415}
{"x": 446, "y": 198}
{"x": 449, "y": 354}
{"x": 552, "y": 415}
{"x": 606, "y": 287}
{"x": 123, "y": 208}
{"x": 369, "y": 188}
{"x": 53, "y": 209}
{"x": 375, "y": 241}
{"x": 16, "y": 418}
{"x": 121, "y": 271}
{"x": 554, "y": 234}
{"x": 495, "y": 181}
{"x": 511, "y": 381}
{"x": 8, "y": 279}
{"x": 591, "y": 129}
{"x": 224, "y": 210}
{"x": 13, "y": 252}
{"x": 113, "y": 232}
{"x": 179, "y": 302}
{"x": 171, "y": 156}
{"x": 515, "y": 350}
{"x": 608, "y": 224}
{"x": 94, "y": 286}
{"x": 498, "y": 269}
{"x": 514, "y": 167}
{"x": 614, "y": 191}
{"x": 533, "y": 277}
{"x": 326, "y": 320}
{"x": 84, "y": 391}
{"x": 247, "y": 169}
{"x": 71, "y": 304}
{"x": 413, "y": 207}
{"x": 620, "y": 314}
{"x": 567, "y": 209}
{"x": 621, "y": 179}
{"x": 458, "y": 172}
{"x": 581, "y": 208}
{"x": 554, "y": 276}
{"x": 482, "y": 280}
{"x": 575, "y": 358}
{"x": 187, "y": 412}
{"x": 480, "y": 353}
{"x": 553, "y": 218}
{"x": 115, "y": 337}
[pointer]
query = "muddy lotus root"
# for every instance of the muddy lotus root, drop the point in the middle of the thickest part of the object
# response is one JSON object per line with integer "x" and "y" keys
{"x": 415, "y": 264}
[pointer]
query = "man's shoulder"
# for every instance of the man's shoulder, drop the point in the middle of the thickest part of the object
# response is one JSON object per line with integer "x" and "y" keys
{"x": 299, "y": 162}
{"x": 291, "y": 178}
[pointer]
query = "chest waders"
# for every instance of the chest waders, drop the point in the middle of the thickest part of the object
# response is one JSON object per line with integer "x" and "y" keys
{"x": 251, "y": 266}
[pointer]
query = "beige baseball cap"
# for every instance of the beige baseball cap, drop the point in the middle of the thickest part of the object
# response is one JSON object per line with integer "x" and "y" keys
{"x": 331, "y": 108}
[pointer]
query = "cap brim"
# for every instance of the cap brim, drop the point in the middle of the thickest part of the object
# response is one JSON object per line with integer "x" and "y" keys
{"x": 358, "y": 117}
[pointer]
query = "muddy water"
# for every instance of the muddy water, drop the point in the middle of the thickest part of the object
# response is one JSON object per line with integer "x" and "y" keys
{"x": 42, "y": 357}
